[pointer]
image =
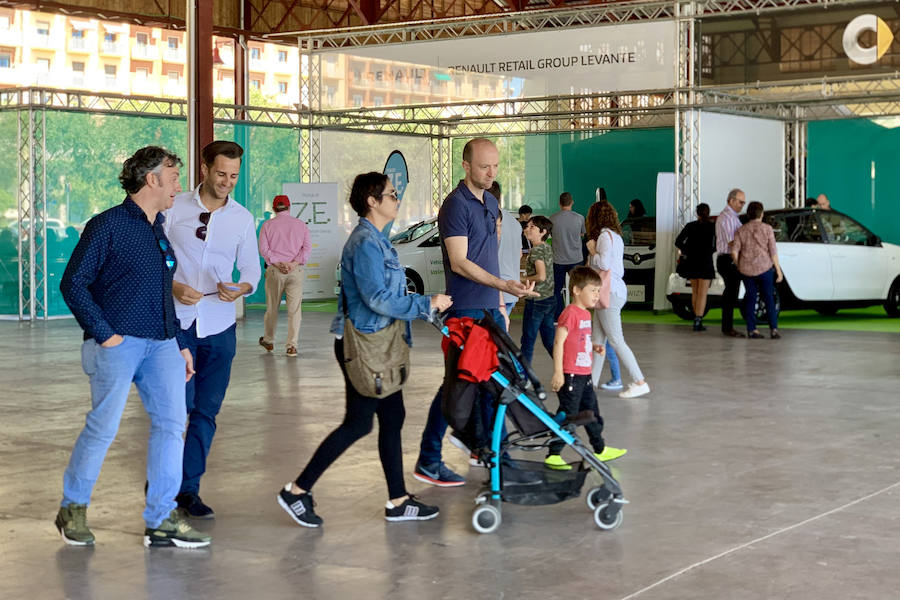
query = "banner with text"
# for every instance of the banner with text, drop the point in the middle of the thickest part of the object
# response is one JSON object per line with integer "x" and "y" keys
{"x": 573, "y": 61}
{"x": 316, "y": 204}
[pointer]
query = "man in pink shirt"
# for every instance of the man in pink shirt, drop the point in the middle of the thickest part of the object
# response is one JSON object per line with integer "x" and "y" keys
{"x": 284, "y": 244}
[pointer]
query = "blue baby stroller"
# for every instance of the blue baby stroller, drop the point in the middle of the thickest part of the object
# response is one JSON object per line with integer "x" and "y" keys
{"x": 481, "y": 361}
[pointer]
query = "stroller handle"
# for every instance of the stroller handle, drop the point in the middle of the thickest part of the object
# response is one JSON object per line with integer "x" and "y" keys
{"x": 504, "y": 344}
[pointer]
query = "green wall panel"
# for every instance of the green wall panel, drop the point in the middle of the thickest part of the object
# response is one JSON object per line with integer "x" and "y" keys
{"x": 840, "y": 164}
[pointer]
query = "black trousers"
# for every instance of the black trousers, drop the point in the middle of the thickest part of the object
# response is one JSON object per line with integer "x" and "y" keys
{"x": 357, "y": 423}
{"x": 577, "y": 395}
{"x": 729, "y": 272}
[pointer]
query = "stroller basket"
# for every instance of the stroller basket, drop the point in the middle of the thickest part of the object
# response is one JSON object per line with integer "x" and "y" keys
{"x": 544, "y": 485}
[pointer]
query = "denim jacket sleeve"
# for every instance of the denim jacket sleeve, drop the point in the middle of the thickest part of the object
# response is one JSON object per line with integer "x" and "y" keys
{"x": 371, "y": 271}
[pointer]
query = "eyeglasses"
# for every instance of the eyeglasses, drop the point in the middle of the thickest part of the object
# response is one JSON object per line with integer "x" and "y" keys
{"x": 392, "y": 195}
{"x": 166, "y": 250}
{"x": 201, "y": 231}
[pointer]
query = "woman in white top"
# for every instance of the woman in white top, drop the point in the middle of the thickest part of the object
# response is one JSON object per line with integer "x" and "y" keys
{"x": 606, "y": 248}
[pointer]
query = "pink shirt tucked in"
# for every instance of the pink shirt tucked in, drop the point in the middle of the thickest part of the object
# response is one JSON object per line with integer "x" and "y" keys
{"x": 754, "y": 243}
{"x": 284, "y": 238}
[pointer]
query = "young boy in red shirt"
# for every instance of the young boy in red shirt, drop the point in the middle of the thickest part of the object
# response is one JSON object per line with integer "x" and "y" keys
{"x": 572, "y": 365}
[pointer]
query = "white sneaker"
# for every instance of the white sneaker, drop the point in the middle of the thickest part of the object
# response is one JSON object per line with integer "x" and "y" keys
{"x": 634, "y": 390}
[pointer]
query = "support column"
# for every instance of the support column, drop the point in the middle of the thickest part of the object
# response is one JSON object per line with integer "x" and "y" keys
{"x": 31, "y": 201}
{"x": 687, "y": 117}
{"x": 310, "y": 104}
{"x": 200, "y": 82}
{"x": 795, "y": 160}
{"x": 441, "y": 169}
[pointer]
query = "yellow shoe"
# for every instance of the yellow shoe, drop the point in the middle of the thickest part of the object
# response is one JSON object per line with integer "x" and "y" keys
{"x": 556, "y": 462}
{"x": 609, "y": 453}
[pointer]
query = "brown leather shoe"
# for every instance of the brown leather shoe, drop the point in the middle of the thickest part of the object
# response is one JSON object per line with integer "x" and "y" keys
{"x": 269, "y": 347}
{"x": 292, "y": 351}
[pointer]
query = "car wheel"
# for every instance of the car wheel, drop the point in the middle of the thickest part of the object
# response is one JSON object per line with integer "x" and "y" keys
{"x": 683, "y": 310}
{"x": 414, "y": 283}
{"x": 892, "y": 304}
{"x": 761, "y": 315}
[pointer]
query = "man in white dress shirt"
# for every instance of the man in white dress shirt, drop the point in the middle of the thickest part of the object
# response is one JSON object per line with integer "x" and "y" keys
{"x": 210, "y": 233}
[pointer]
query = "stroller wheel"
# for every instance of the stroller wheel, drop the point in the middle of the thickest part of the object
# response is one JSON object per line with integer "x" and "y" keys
{"x": 596, "y": 496}
{"x": 603, "y": 519}
{"x": 486, "y": 518}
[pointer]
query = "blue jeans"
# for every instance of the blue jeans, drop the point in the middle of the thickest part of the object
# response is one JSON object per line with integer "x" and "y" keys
{"x": 538, "y": 317}
{"x": 614, "y": 371}
{"x": 157, "y": 369}
{"x": 204, "y": 394}
{"x": 436, "y": 425}
{"x": 753, "y": 286}
{"x": 559, "y": 282}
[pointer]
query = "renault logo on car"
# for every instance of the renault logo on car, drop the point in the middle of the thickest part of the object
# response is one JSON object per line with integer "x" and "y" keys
{"x": 870, "y": 55}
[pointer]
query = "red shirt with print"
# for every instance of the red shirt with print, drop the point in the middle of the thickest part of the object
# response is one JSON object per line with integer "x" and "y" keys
{"x": 577, "y": 349}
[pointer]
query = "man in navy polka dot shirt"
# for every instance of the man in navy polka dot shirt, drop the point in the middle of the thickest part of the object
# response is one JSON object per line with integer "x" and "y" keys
{"x": 118, "y": 285}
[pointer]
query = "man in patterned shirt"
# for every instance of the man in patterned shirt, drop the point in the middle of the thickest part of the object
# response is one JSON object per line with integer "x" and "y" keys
{"x": 118, "y": 285}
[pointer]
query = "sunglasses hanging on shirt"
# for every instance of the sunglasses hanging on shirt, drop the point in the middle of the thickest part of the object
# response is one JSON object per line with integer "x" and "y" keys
{"x": 201, "y": 231}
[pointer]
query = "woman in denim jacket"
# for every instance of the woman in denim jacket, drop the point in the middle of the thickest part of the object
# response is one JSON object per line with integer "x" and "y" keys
{"x": 374, "y": 285}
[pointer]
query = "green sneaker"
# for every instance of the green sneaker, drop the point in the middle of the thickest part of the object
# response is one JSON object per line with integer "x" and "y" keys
{"x": 175, "y": 531}
{"x": 609, "y": 453}
{"x": 556, "y": 462}
{"x": 71, "y": 521}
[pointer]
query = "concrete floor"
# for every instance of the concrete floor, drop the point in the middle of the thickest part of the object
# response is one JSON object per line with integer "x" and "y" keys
{"x": 756, "y": 469}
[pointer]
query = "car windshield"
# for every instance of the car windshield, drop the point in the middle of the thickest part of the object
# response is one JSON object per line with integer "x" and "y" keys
{"x": 412, "y": 233}
{"x": 639, "y": 232}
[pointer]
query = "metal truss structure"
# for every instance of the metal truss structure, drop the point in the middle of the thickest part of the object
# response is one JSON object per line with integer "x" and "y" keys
{"x": 31, "y": 142}
{"x": 792, "y": 102}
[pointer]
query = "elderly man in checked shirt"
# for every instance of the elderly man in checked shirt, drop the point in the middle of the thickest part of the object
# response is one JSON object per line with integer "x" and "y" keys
{"x": 727, "y": 223}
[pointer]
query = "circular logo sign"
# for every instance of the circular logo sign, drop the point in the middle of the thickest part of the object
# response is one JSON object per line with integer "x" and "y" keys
{"x": 870, "y": 55}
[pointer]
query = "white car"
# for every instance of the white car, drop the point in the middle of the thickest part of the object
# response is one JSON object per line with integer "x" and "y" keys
{"x": 829, "y": 261}
{"x": 419, "y": 251}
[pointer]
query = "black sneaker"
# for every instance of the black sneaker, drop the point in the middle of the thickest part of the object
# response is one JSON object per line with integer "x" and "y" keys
{"x": 299, "y": 506}
{"x": 411, "y": 510}
{"x": 193, "y": 506}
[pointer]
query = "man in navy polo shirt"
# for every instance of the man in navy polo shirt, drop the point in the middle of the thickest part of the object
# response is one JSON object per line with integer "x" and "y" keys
{"x": 467, "y": 222}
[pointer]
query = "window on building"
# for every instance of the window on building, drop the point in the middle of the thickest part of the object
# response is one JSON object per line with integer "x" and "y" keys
{"x": 255, "y": 84}
{"x": 282, "y": 56}
{"x": 42, "y": 28}
{"x": 141, "y": 73}
{"x": 109, "y": 38}
{"x": 173, "y": 43}
{"x": 174, "y": 76}
{"x": 255, "y": 53}
{"x": 5, "y": 22}
{"x": 378, "y": 101}
{"x": 77, "y": 34}
{"x": 43, "y": 64}
{"x": 110, "y": 71}
{"x": 282, "y": 87}
{"x": 357, "y": 100}
{"x": 77, "y": 67}
{"x": 5, "y": 60}
{"x": 331, "y": 93}
{"x": 142, "y": 39}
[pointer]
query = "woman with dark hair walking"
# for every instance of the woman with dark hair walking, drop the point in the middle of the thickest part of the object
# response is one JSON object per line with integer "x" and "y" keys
{"x": 374, "y": 296}
{"x": 697, "y": 244}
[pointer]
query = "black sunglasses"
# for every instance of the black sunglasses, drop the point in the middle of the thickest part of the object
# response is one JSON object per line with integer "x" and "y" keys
{"x": 201, "y": 231}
